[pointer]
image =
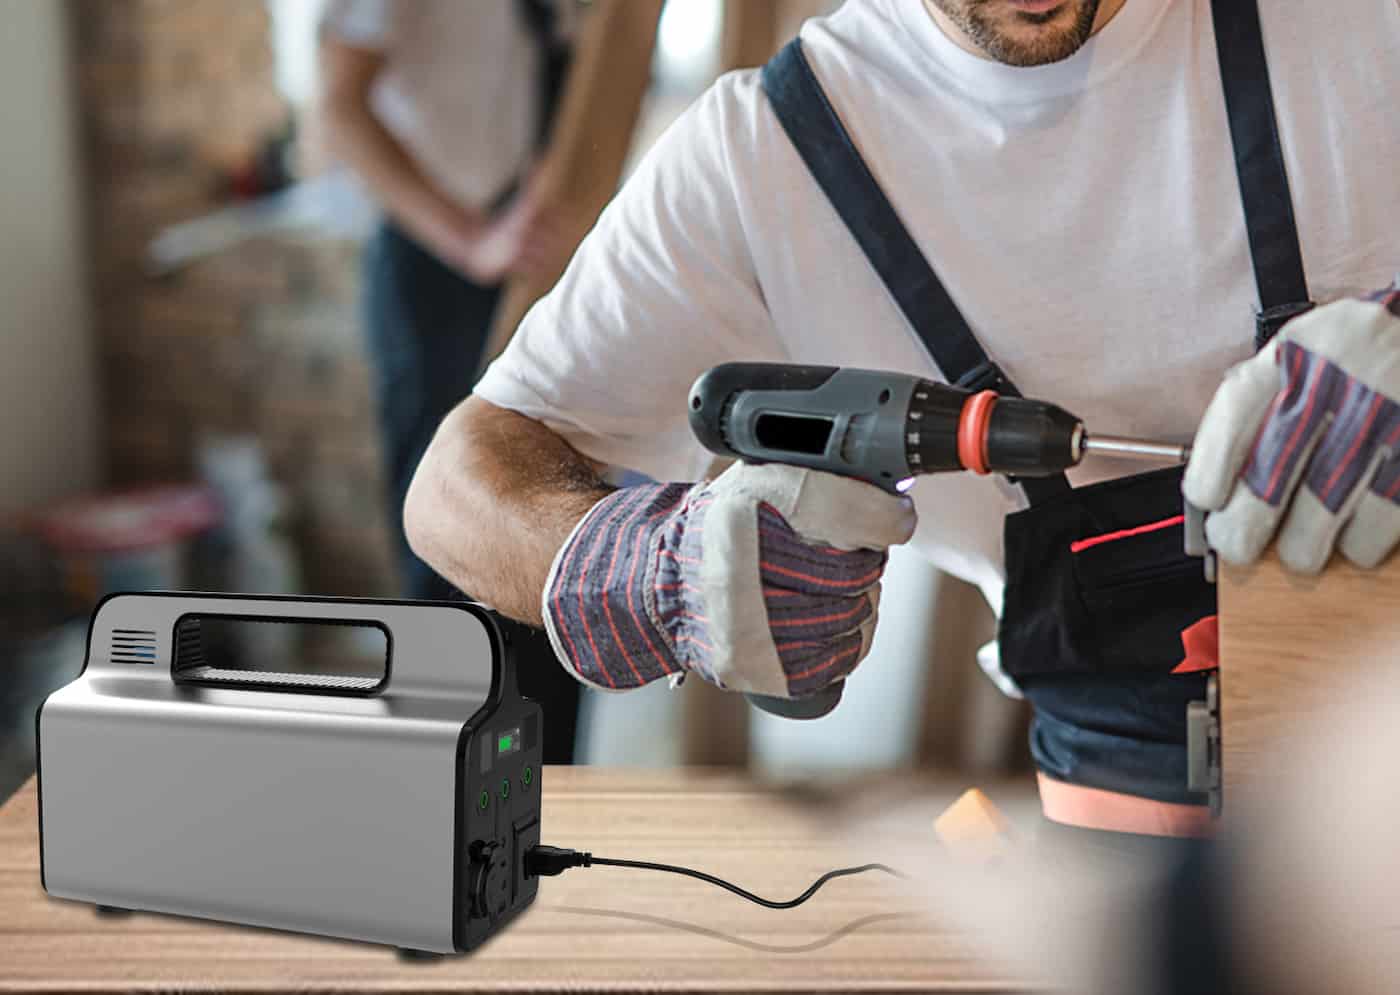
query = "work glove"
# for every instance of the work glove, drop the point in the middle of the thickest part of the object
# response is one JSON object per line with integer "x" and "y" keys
{"x": 763, "y": 580}
{"x": 1308, "y": 433}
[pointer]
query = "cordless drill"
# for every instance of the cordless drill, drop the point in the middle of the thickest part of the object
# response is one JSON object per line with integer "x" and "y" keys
{"x": 885, "y": 429}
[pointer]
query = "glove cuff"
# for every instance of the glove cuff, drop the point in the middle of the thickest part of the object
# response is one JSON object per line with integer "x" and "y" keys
{"x": 551, "y": 626}
{"x": 594, "y": 604}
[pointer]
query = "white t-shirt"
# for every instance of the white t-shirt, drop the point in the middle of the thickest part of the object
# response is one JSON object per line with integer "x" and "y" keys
{"x": 460, "y": 87}
{"x": 1085, "y": 217}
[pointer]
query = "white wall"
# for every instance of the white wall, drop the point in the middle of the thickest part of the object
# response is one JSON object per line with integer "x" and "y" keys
{"x": 48, "y": 409}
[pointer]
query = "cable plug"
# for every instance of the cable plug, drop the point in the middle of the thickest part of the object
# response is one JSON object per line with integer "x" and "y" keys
{"x": 547, "y": 861}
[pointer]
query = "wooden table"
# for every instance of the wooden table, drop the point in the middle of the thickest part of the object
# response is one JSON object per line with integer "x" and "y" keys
{"x": 591, "y": 930}
{"x": 1287, "y": 643}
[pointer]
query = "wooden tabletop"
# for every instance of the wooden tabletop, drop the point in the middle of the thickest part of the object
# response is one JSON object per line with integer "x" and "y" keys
{"x": 591, "y": 930}
{"x": 1288, "y": 643}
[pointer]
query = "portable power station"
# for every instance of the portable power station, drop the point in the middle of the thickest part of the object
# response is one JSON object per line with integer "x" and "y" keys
{"x": 393, "y": 807}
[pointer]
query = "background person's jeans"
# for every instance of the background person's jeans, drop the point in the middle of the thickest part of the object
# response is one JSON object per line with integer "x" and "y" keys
{"x": 427, "y": 327}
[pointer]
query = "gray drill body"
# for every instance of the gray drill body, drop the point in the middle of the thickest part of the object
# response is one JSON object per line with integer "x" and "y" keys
{"x": 299, "y": 808}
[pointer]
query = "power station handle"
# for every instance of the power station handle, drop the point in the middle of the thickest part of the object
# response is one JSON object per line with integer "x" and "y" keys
{"x": 436, "y": 649}
{"x": 213, "y": 649}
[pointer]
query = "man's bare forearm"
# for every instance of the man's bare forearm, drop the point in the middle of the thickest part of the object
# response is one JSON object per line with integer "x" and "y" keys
{"x": 494, "y": 498}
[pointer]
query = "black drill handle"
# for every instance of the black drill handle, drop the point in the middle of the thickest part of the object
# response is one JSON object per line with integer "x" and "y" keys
{"x": 837, "y": 420}
{"x": 712, "y": 396}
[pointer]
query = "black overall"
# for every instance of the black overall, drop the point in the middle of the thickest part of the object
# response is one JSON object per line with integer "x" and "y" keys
{"x": 1090, "y": 636}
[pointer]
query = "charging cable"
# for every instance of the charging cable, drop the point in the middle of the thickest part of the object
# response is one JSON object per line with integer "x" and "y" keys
{"x": 547, "y": 861}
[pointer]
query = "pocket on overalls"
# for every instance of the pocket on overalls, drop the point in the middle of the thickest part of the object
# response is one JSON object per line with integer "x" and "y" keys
{"x": 1098, "y": 581}
{"x": 1142, "y": 591}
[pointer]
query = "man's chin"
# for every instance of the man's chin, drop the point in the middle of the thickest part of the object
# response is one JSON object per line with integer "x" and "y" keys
{"x": 1030, "y": 34}
{"x": 1026, "y": 49}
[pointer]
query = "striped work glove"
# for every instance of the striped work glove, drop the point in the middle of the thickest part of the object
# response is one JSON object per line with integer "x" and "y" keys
{"x": 1308, "y": 433}
{"x": 765, "y": 580}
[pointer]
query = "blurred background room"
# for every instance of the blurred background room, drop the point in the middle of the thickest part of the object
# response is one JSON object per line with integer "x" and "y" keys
{"x": 188, "y": 392}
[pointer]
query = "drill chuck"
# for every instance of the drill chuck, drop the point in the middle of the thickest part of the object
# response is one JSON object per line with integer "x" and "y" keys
{"x": 1017, "y": 436}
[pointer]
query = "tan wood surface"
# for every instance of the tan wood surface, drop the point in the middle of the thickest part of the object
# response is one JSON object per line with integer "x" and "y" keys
{"x": 590, "y": 930}
{"x": 1287, "y": 644}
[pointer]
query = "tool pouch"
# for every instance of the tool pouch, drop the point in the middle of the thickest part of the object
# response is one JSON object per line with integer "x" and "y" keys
{"x": 1098, "y": 581}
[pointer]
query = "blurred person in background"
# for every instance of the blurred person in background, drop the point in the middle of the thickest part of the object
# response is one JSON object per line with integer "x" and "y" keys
{"x": 442, "y": 108}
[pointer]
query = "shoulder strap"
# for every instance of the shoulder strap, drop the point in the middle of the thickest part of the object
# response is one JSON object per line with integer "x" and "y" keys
{"x": 1268, "y": 204}
{"x": 823, "y": 143}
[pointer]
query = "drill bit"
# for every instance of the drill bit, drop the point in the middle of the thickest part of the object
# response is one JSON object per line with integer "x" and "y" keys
{"x": 1142, "y": 449}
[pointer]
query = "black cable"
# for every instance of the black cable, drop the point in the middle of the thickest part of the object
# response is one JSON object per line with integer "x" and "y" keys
{"x": 545, "y": 861}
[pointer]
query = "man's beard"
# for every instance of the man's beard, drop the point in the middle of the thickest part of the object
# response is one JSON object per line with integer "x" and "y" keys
{"x": 989, "y": 32}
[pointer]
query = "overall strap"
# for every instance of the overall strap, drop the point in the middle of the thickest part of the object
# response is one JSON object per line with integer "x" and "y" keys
{"x": 823, "y": 143}
{"x": 1268, "y": 205}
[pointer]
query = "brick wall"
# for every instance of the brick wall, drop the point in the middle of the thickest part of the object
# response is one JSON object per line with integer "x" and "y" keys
{"x": 263, "y": 338}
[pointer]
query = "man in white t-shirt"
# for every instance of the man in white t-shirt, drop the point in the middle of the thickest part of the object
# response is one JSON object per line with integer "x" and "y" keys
{"x": 440, "y": 108}
{"x": 1105, "y": 203}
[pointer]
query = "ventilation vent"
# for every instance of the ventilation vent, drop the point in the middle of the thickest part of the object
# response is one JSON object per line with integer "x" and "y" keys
{"x": 133, "y": 646}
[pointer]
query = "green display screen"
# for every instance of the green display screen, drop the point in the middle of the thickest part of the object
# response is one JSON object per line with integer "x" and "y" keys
{"x": 508, "y": 742}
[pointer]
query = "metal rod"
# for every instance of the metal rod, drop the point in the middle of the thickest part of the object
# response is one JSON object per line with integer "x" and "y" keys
{"x": 1110, "y": 445}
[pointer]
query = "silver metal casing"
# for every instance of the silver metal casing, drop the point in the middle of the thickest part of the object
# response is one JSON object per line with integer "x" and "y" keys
{"x": 294, "y": 802}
